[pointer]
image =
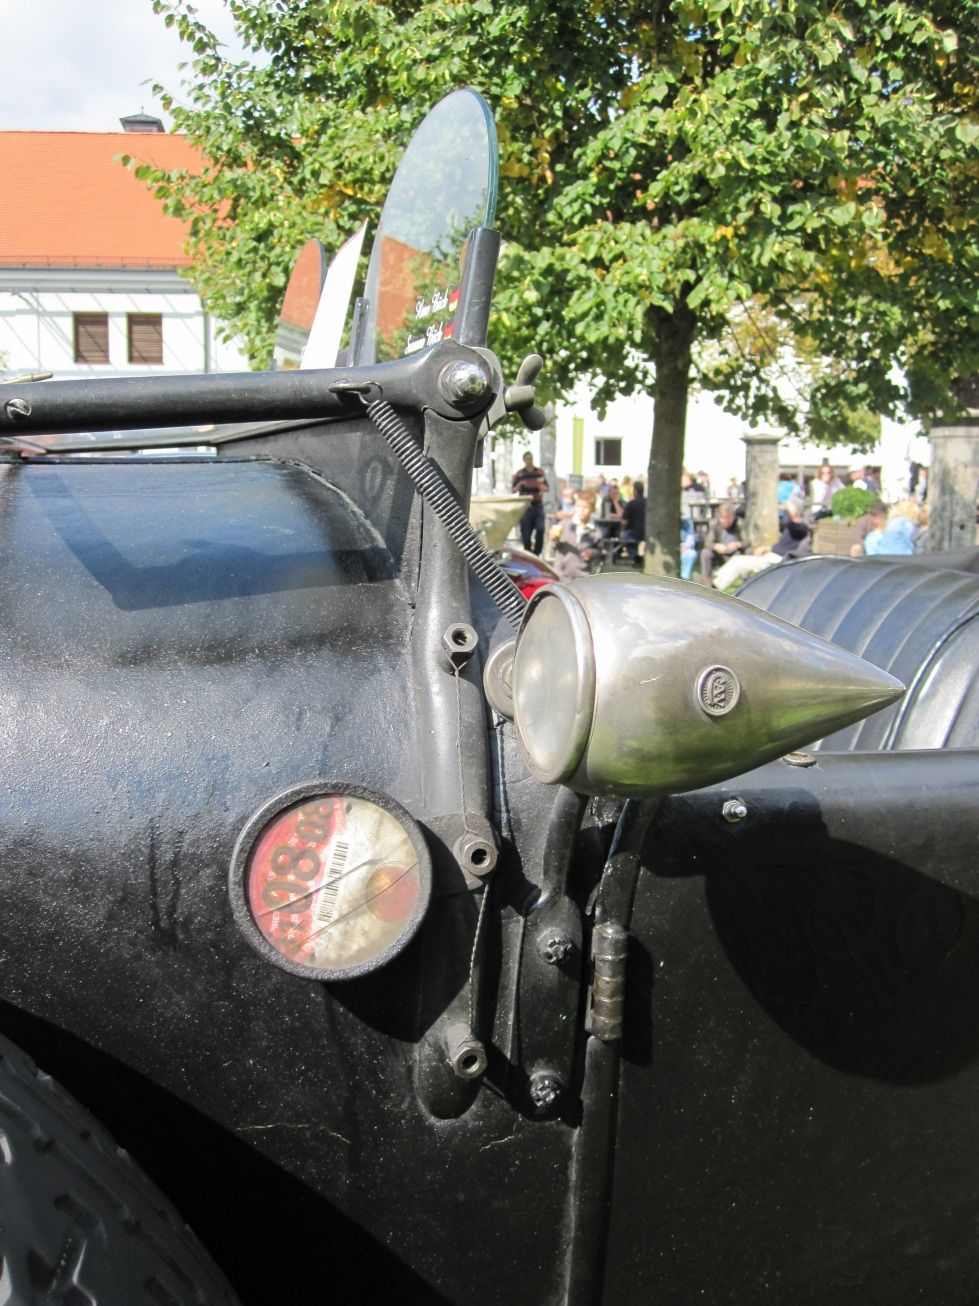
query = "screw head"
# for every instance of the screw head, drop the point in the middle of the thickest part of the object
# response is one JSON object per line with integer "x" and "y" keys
{"x": 545, "y": 1088}
{"x": 734, "y": 810}
{"x": 18, "y": 408}
{"x": 555, "y": 946}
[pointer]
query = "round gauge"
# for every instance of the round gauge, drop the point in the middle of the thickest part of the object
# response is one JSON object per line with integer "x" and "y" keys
{"x": 330, "y": 882}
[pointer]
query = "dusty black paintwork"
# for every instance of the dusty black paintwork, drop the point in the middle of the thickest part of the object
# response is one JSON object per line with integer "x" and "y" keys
{"x": 792, "y": 1116}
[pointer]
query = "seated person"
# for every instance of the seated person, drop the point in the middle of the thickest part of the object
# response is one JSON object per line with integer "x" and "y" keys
{"x": 899, "y": 534}
{"x": 792, "y": 543}
{"x": 613, "y": 502}
{"x": 723, "y": 540}
{"x": 576, "y": 539}
{"x": 870, "y": 527}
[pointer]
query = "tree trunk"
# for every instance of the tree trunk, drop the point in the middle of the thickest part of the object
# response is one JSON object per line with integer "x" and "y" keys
{"x": 674, "y": 337}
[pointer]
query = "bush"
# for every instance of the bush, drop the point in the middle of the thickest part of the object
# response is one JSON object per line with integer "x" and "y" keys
{"x": 850, "y": 503}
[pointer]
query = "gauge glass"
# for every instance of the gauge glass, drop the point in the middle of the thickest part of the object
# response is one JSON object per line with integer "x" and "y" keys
{"x": 336, "y": 884}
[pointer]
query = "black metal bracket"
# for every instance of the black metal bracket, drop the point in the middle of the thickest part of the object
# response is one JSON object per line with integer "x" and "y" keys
{"x": 138, "y": 403}
{"x": 552, "y": 966}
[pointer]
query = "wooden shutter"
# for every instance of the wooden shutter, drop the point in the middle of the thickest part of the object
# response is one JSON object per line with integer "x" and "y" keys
{"x": 145, "y": 337}
{"x": 91, "y": 337}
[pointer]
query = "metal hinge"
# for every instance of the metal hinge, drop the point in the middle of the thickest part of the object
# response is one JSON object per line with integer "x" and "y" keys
{"x": 606, "y": 996}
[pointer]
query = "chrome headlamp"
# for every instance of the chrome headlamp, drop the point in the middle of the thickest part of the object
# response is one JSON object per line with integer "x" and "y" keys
{"x": 637, "y": 686}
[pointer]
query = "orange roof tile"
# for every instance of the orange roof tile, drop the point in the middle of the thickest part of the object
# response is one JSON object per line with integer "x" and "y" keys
{"x": 67, "y": 201}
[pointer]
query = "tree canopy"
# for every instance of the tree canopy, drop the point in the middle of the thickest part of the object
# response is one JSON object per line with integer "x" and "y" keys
{"x": 772, "y": 199}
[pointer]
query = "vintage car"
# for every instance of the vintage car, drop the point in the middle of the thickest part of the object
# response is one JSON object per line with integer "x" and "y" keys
{"x": 424, "y": 944}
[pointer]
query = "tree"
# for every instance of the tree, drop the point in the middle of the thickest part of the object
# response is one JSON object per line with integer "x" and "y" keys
{"x": 691, "y": 192}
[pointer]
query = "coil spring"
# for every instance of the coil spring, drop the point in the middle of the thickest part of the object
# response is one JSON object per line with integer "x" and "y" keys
{"x": 436, "y": 493}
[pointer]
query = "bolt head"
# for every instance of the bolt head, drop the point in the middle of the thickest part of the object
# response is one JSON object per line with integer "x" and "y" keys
{"x": 555, "y": 946}
{"x": 545, "y": 1089}
{"x": 462, "y": 381}
{"x": 734, "y": 810}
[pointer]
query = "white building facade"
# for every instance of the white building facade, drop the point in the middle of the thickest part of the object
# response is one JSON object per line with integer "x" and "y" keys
{"x": 56, "y": 319}
{"x": 91, "y": 267}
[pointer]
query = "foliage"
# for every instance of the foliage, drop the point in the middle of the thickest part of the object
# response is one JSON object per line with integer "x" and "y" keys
{"x": 773, "y": 199}
{"x": 852, "y": 502}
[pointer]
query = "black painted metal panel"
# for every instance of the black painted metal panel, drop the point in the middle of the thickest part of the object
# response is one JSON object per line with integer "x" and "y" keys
{"x": 801, "y": 1064}
{"x": 180, "y": 643}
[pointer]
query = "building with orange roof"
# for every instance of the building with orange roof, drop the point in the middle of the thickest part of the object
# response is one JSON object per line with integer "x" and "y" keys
{"x": 90, "y": 265}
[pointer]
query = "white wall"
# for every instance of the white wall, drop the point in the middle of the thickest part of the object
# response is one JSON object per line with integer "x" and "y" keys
{"x": 714, "y": 443}
{"x": 36, "y": 329}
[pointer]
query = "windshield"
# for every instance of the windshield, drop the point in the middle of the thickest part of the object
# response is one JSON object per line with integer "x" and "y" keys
{"x": 446, "y": 185}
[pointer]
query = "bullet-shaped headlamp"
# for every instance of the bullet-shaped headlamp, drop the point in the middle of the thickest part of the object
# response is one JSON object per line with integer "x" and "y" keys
{"x": 636, "y": 686}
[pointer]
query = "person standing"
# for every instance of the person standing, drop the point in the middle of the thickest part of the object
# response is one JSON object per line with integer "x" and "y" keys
{"x": 531, "y": 481}
{"x": 633, "y": 530}
{"x": 688, "y": 548}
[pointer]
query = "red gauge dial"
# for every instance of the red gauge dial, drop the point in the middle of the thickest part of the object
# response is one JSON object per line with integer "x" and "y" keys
{"x": 333, "y": 885}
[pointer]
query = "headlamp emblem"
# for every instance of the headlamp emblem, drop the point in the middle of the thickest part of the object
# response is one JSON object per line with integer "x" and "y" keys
{"x": 718, "y": 690}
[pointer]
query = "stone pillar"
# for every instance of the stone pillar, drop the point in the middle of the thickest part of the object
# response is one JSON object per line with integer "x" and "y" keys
{"x": 953, "y": 485}
{"x": 548, "y": 452}
{"x": 761, "y": 489}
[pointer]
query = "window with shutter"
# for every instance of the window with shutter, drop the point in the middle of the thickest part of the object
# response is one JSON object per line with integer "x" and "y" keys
{"x": 91, "y": 332}
{"x": 145, "y": 337}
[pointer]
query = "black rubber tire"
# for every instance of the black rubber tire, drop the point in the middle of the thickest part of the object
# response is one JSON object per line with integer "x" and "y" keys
{"x": 80, "y": 1224}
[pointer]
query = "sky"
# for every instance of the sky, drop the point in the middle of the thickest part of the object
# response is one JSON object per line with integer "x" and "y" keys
{"x": 81, "y": 65}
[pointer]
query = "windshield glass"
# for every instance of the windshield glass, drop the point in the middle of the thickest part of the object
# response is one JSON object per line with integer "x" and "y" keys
{"x": 446, "y": 185}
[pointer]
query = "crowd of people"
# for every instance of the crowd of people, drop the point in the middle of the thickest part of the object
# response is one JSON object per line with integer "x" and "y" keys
{"x": 588, "y": 520}
{"x": 606, "y": 523}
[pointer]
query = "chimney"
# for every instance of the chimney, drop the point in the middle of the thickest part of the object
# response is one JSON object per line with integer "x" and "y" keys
{"x": 141, "y": 122}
